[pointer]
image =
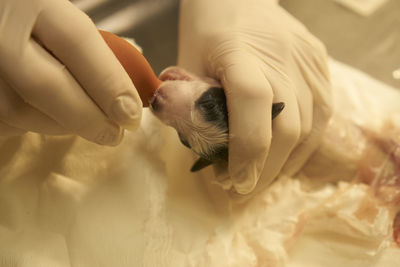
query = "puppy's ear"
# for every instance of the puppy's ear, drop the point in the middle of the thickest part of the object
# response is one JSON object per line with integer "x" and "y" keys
{"x": 200, "y": 164}
{"x": 277, "y": 108}
{"x": 174, "y": 73}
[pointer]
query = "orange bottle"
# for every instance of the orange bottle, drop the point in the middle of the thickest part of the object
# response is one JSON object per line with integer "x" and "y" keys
{"x": 135, "y": 64}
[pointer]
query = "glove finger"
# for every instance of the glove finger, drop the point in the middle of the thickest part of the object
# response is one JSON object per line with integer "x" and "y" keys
{"x": 17, "y": 18}
{"x": 304, "y": 99}
{"x": 316, "y": 76}
{"x": 249, "y": 101}
{"x": 286, "y": 130}
{"x": 249, "y": 92}
{"x": 48, "y": 86}
{"x": 17, "y": 113}
{"x": 73, "y": 38}
{"x": 7, "y": 130}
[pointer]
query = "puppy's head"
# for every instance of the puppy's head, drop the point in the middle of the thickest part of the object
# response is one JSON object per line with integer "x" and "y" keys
{"x": 196, "y": 108}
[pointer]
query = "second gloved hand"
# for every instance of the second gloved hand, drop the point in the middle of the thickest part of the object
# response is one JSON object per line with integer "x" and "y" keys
{"x": 57, "y": 75}
{"x": 261, "y": 55}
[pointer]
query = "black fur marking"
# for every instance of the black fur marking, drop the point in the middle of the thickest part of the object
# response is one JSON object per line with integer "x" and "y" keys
{"x": 184, "y": 141}
{"x": 212, "y": 105}
{"x": 200, "y": 164}
{"x": 220, "y": 154}
{"x": 277, "y": 108}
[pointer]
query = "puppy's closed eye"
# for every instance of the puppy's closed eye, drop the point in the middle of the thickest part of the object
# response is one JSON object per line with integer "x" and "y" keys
{"x": 212, "y": 105}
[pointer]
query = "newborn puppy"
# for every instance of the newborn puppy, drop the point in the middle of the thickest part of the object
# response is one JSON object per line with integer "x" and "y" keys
{"x": 196, "y": 108}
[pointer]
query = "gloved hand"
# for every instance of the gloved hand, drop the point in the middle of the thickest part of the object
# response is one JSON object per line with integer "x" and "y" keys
{"x": 57, "y": 75}
{"x": 261, "y": 54}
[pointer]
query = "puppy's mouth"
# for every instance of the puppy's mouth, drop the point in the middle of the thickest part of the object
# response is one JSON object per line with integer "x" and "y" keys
{"x": 158, "y": 97}
{"x": 157, "y": 100}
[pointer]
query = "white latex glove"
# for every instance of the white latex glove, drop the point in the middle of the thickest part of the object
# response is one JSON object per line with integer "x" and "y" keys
{"x": 58, "y": 76}
{"x": 261, "y": 54}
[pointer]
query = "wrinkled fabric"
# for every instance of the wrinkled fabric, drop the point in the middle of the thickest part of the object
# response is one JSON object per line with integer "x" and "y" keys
{"x": 67, "y": 202}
